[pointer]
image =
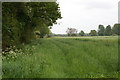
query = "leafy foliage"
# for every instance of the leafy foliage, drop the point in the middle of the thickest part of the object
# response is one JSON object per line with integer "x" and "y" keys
{"x": 81, "y": 33}
{"x": 20, "y": 22}
{"x": 108, "y": 31}
{"x": 101, "y": 30}
{"x": 116, "y": 29}
{"x": 93, "y": 33}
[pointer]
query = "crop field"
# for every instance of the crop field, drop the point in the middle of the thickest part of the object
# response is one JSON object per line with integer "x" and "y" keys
{"x": 58, "y": 57}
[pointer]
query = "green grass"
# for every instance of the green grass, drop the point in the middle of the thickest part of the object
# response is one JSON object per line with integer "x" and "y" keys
{"x": 84, "y": 57}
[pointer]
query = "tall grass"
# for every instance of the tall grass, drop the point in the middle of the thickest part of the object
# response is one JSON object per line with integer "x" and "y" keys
{"x": 64, "y": 58}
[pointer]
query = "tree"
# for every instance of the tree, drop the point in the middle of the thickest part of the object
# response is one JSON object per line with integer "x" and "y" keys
{"x": 116, "y": 29}
{"x": 93, "y": 33}
{"x": 108, "y": 31}
{"x": 81, "y": 33}
{"x": 71, "y": 32}
{"x": 42, "y": 14}
{"x": 20, "y": 22}
{"x": 101, "y": 30}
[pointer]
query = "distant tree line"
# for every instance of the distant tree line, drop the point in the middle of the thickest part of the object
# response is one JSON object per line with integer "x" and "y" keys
{"x": 102, "y": 31}
{"x": 22, "y": 21}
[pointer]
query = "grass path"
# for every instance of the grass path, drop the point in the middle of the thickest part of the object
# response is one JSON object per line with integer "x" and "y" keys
{"x": 64, "y": 58}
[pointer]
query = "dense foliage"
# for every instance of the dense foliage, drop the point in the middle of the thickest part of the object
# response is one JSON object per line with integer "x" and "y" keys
{"x": 101, "y": 30}
{"x": 108, "y": 31}
{"x": 116, "y": 29}
{"x": 81, "y": 33}
{"x": 22, "y": 19}
{"x": 93, "y": 33}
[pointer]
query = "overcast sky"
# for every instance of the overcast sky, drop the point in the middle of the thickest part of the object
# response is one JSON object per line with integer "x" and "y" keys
{"x": 86, "y": 15}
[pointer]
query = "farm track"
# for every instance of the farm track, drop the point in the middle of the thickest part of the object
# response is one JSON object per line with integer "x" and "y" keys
{"x": 73, "y": 45}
